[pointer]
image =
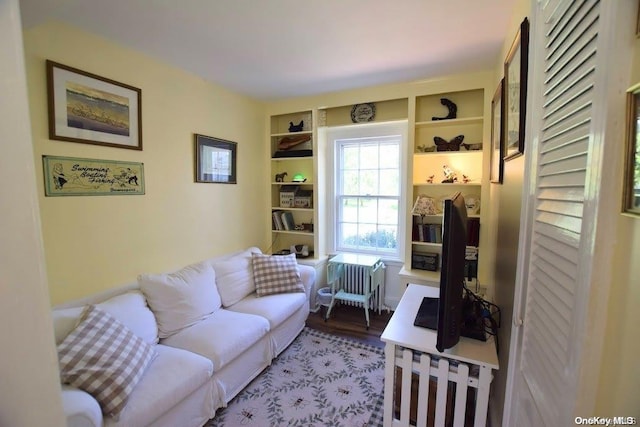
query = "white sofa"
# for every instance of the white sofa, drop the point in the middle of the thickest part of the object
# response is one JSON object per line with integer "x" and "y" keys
{"x": 198, "y": 368}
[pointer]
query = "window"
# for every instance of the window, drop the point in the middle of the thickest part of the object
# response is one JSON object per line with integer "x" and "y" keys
{"x": 368, "y": 190}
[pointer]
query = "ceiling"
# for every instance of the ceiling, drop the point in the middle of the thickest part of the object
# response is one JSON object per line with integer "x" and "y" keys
{"x": 274, "y": 49}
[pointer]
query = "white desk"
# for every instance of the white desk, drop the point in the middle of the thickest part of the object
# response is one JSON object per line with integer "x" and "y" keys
{"x": 413, "y": 349}
{"x": 335, "y": 271}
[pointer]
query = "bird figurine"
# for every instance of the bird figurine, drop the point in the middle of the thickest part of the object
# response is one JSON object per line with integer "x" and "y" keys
{"x": 453, "y": 109}
{"x": 444, "y": 145}
{"x": 296, "y": 128}
{"x": 430, "y": 179}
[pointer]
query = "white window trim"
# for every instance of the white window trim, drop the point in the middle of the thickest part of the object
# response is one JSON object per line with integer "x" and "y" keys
{"x": 366, "y": 130}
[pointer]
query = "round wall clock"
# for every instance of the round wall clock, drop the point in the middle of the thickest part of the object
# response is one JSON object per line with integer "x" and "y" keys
{"x": 363, "y": 112}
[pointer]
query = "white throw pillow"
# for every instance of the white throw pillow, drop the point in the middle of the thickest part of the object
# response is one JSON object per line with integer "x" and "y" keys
{"x": 276, "y": 274}
{"x": 131, "y": 309}
{"x": 182, "y": 298}
{"x": 234, "y": 277}
{"x": 104, "y": 358}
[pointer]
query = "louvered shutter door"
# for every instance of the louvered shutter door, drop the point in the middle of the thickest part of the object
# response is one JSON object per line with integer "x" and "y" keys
{"x": 549, "y": 358}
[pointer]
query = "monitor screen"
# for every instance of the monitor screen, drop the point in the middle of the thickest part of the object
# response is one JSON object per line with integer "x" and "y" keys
{"x": 454, "y": 243}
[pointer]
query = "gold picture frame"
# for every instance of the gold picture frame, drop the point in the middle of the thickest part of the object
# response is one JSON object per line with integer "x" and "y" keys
{"x": 631, "y": 187}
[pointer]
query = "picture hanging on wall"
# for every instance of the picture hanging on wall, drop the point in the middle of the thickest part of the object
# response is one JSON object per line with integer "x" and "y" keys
{"x": 515, "y": 98}
{"x": 90, "y": 109}
{"x": 71, "y": 176}
{"x": 631, "y": 199}
{"x": 497, "y": 131}
{"x": 215, "y": 160}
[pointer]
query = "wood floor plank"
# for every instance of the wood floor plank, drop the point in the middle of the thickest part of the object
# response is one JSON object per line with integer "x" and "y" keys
{"x": 349, "y": 322}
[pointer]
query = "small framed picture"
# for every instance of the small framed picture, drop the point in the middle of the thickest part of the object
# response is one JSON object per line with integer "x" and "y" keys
{"x": 497, "y": 131}
{"x": 215, "y": 160}
{"x": 631, "y": 198}
{"x": 90, "y": 109}
{"x": 515, "y": 98}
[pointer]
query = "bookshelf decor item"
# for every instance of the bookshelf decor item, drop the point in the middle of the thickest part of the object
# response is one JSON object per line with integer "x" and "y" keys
{"x": 71, "y": 176}
{"x": 362, "y": 113}
{"x": 515, "y": 87}
{"x": 215, "y": 160}
{"x": 497, "y": 130}
{"x": 631, "y": 201}
{"x": 91, "y": 109}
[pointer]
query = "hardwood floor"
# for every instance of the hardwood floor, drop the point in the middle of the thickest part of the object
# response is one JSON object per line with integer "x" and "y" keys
{"x": 349, "y": 322}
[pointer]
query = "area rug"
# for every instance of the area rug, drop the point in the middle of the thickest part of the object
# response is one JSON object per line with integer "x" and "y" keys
{"x": 319, "y": 380}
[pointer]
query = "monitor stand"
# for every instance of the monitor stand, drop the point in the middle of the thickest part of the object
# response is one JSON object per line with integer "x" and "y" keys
{"x": 427, "y": 317}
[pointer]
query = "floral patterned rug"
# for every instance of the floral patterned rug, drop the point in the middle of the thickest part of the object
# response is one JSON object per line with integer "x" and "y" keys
{"x": 319, "y": 380}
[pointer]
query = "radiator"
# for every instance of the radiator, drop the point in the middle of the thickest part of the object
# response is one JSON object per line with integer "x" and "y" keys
{"x": 354, "y": 279}
{"x": 447, "y": 390}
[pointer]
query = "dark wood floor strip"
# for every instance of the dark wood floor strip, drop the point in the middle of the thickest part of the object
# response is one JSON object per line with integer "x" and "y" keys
{"x": 349, "y": 322}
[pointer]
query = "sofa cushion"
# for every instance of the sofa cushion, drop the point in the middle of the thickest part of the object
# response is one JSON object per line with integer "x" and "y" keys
{"x": 276, "y": 274}
{"x": 173, "y": 376}
{"x": 181, "y": 298}
{"x": 275, "y": 308}
{"x": 131, "y": 309}
{"x": 221, "y": 337}
{"x": 234, "y": 276}
{"x": 104, "y": 358}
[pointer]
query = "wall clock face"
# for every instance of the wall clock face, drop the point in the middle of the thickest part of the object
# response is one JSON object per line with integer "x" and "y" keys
{"x": 363, "y": 112}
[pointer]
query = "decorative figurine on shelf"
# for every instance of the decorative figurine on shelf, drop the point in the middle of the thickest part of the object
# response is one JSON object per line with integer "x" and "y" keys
{"x": 472, "y": 147}
{"x": 453, "y": 145}
{"x": 430, "y": 179}
{"x": 299, "y": 178}
{"x": 280, "y": 176}
{"x": 453, "y": 109}
{"x": 425, "y": 149}
{"x": 466, "y": 179}
{"x": 449, "y": 175}
{"x": 296, "y": 128}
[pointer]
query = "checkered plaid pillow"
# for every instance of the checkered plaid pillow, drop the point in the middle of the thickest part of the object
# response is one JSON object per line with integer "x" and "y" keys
{"x": 276, "y": 274}
{"x": 104, "y": 358}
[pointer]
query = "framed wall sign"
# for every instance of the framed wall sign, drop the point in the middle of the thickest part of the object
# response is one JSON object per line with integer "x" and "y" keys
{"x": 631, "y": 198}
{"x": 87, "y": 108}
{"x": 71, "y": 176}
{"x": 215, "y": 160}
{"x": 497, "y": 131}
{"x": 515, "y": 98}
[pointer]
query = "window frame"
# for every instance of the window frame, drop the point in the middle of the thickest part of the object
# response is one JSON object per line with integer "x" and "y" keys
{"x": 362, "y": 131}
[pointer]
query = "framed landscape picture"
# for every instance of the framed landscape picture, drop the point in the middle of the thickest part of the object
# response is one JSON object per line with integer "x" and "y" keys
{"x": 515, "y": 98}
{"x": 497, "y": 131}
{"x": 90, "y": 109}
{"x": 215, "y": 160}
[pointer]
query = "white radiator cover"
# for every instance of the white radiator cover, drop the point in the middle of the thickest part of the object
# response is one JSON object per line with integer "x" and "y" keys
{"x": 355, "y": 280}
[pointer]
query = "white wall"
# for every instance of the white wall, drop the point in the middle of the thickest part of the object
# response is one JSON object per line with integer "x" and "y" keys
{"x": 29, "y": 383}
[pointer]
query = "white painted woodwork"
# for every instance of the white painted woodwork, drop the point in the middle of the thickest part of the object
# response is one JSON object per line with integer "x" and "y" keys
{"x": 411, "y": 348}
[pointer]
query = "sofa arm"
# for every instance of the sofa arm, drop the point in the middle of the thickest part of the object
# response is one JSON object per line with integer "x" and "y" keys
{"x": 308, "y": 276}
{"x": 80, "y": 408}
